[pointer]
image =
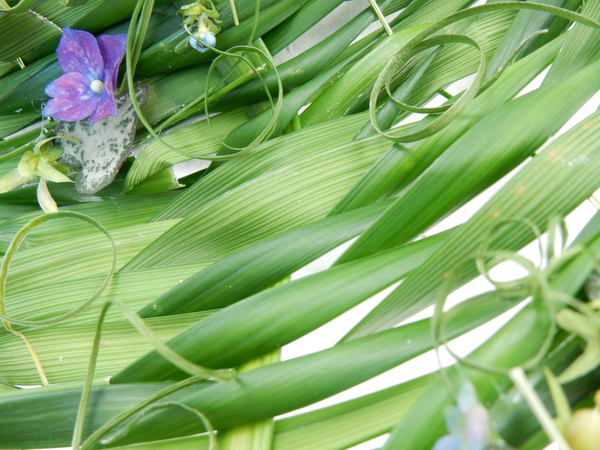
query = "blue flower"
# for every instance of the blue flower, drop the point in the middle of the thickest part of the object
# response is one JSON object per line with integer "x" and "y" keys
{"x": 468, "y": 423}
{"x": 90, "y": 69}
{"x": 208, "y": 39}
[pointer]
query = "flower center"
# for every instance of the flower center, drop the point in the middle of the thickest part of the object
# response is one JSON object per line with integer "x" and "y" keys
{"x": 97, "y": 86}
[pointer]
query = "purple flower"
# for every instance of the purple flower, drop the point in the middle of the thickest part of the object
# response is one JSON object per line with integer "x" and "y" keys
{"x": 90, "y": 71}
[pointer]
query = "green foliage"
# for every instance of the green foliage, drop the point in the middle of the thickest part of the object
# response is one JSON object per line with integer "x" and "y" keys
{"x": 300, "y": 158}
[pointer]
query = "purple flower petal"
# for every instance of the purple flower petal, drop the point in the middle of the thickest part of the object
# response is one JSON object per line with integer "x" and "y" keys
{"x": 106, "y": 107}
{"x": 112, "y": 48}
{"x": 73, "y": 99}
{"x": 78, "y": 52}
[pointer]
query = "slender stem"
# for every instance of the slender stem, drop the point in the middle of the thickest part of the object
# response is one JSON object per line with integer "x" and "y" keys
{"x": 87, "y": 387}
{"x": 121, "y": 417}
{"x": 236, "y": 20}
{"x": 517, "y": 375}
{"x": 381, "y": 17}
{"x": 181, "y": 114}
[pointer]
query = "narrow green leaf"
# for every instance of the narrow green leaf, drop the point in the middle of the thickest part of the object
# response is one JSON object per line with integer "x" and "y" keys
{"x": 402, "y": 164}
{"x": 278, "y": 316}
{"x": 64, "y": 349}
{"x": 481, "y": 158}
{"x": 581, "y": 48}
{"x": 194, "y": 139}
{"x": 255, "y": 395}
{"x": 271, "y": 155}
{"x": 260, "y": 265}
{"x": 565, "y": 169}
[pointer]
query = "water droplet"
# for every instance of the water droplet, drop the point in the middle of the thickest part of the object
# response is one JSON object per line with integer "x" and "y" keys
{"x": 153, "y": 306}
{"x": 181, "y": 281}
{"x": 18, "y": 110}
{"x": 60, "y": 359}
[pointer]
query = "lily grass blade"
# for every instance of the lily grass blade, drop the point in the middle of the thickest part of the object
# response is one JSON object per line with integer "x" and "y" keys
{"x": 582, "y": 46}
{"x": 349, "y": 423}
{"x": 64, "y": 401}
{"x": 136, "y": 288}
{"x": 118, "y": 213}
{"x": 357, "y": 79}
{"x": 278, "y": 316}
{"x": 64, "y": 349}
{"x": 260, "y": 265}
{"x": 256, "y": 395}
{"x": 167, "y": 55}
{"x": 194, "y": 138}
{"x": 79, "y": 257}
{"x": 301, "y": 191}
{"x": 298, "y": 24}
{"x": 352, "y": 88}
{"x": 488, "y": 151}
{"x": 512, "y": 345}
{"x": 563, "y": 172}
{"x": 244, "y": 135}
{"x": 267, "y": 392}
{"x": 526, "y": 23}
{"x": 330, "y": 428}
{"x": 402, "y": 164}
{"x": 308, "y": 64}
{"x": 271, "y": 155}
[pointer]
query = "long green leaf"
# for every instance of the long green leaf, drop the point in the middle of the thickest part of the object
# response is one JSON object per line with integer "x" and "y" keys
{"x": 481, "y": 158}
{"x": 254, "y": 396}
{"x": 564, "y": 168}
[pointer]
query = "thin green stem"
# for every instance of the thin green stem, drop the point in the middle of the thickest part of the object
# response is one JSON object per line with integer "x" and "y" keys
{"x": 236, "y": 20}
{"x": 121, "y": 417}
{"x": 381, "y": 17}
{"x": 517, "y": 375}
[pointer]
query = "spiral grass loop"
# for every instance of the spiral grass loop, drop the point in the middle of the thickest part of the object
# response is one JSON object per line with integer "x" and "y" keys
{"x": 197, "y": 373}
{"x": 13, "y": 248}
{"x": 535, "y": 284}
{"x": 422, "y": 41}
{"x": 131, "y": 60}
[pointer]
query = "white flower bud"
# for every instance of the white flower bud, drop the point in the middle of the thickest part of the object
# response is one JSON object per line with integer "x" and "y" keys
{"x": 97, "y": 86}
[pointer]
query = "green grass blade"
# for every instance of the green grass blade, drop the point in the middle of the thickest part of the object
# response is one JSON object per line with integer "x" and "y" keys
{"x": 272, "y": 155}
{"x": 64, "y": 350}
{"x": 481, "y": 159}
{"x": 564, "y": 186}
{"x": 256, "y": 395}
{"x": 260, "y": 265}
{"x": 401, "y": 165}
{"x": 273, "y": 318}
{"x": 155, "y": 156}
{"x": 581, "y": 48}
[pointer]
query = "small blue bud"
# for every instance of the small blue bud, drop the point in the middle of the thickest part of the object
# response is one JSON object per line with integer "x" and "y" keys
{"x": 209, "y": 40}
{"x": 193, "y": 42}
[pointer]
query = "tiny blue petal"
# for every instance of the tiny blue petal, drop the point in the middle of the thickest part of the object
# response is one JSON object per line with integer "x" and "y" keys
{"x": 209, "y": 39}
{"x": 193, "y": 42}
